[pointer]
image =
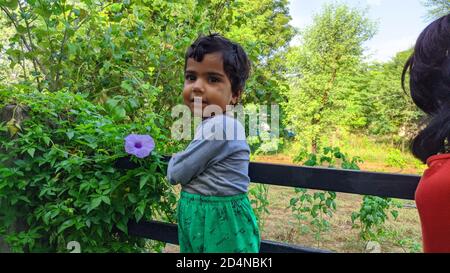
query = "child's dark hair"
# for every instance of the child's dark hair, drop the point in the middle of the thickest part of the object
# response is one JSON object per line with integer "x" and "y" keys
{"x": 235, "y": 61}
{"x": 429, "y": 70}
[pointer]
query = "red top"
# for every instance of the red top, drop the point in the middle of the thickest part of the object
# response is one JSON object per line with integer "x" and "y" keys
{"x": 433, "y": 203}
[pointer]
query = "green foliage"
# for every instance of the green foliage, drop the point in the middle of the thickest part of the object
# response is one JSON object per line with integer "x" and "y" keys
{"x": 124, "y": 61}
{"x": 136, "y": 48}
{"x": 372, "y": 215}
{"x": 107, "y": 50}
{"x": 262, "y": 138}
{"x": 323, "y": 67}
{"x": 260, "y": 203}
{"x": 315, "y": 209}
{"x": 395, "y": 158}
{"x": 409, "y": 245}
{"x": 333, "y": 89}
{"x": 389, "y": 112}
{"x": 436, "y": 8}
{"x": 330, "y": 157}
{"x": 59, "y": 176}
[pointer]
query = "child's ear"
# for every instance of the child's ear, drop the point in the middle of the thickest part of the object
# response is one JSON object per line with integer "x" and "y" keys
{"x": 235, "y": 97}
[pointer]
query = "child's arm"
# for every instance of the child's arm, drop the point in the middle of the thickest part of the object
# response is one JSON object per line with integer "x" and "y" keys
{"x": 194, "y": 160}
{"x": 210, "y": 145}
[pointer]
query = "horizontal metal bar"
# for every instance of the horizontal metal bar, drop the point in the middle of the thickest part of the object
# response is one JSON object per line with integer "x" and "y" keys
{"x": 348, "y": 181}
{"x": 168, "y": 233}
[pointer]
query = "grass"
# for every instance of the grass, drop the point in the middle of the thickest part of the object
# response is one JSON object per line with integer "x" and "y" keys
{"x": 280, "y": 225}
{"x": 375, "y": 154}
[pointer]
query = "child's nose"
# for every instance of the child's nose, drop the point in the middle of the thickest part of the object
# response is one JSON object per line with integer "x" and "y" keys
{"x": 198, "y": 87}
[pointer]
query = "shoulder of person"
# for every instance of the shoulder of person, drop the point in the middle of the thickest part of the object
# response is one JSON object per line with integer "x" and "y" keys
{"x": 223, "y": 127}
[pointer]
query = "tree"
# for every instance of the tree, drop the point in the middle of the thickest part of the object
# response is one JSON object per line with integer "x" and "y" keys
{"x": 129, "y": 55}
{"x": 6, "y": 73}
{"x": 322, "y": 71}
{"x": 436, "y": 8}
{"x": 389, "y": 111}
{"x": 262, "y": 27}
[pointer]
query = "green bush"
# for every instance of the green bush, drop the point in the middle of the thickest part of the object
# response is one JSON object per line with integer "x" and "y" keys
{"x": 58, "y": 175}
{"x": 395, "y": 158}
{"x": 373, "y": 214}
{"x": 316, "y": 209}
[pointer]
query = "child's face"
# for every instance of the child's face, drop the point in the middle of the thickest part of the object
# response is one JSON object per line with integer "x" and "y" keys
{"x": 207, "y": 80}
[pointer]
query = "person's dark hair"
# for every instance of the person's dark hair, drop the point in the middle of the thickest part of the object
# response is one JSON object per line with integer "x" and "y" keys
{"x": 235, "y": 61}
{"x": 429, "y": 70}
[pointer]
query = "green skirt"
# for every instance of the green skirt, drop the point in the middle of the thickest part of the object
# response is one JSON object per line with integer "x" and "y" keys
{"x": 214, "y": 224}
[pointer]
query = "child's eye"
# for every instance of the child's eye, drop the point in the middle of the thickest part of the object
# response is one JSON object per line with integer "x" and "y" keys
{"x": 214, "y": 79}
{"x": 190, "y": 77}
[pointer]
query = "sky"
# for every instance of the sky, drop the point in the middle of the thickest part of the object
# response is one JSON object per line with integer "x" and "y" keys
{"x": 399, "y": 22}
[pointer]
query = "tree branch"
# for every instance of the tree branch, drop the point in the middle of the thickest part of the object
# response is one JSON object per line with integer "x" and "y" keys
{"x": 63, "y": 42}
{"x": 32, "y": 46}
{"x": 25, "y": 43}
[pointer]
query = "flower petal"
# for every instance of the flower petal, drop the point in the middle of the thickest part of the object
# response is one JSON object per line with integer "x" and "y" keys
{"x": 131, "y": 138}
{"x": 129, "y": 148}
{"x": 148, "y": 144}
{"x": 141, "y": 153}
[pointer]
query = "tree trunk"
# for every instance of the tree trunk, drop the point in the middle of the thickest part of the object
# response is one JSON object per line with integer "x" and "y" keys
{"x": 314, "y": 145}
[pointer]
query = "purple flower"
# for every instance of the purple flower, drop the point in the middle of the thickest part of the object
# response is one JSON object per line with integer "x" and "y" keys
{"x": 139, "y": 145}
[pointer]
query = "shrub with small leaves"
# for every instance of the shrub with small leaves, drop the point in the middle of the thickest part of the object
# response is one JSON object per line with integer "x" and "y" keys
{"x": 259, "y": 200}
{"x": 372, "y": 215}
{"x": 312, "y": 210}
{"x": 59, "y": 176}
{"x": 395, "y": 158}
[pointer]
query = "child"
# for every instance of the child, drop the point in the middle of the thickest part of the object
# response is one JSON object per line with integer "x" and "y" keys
{"x": 214, "y": 213}
{"x": 429, "y": 69}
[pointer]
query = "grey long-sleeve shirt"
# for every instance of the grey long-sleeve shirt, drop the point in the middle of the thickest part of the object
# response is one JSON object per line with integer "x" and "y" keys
{"x": 216, "y": 162}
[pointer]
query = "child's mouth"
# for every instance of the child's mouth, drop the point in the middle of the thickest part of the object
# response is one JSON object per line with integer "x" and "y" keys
{"x": 199, "y": 101}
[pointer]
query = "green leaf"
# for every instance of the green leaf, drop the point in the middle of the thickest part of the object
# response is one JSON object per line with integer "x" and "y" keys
{"x": 111, "y": 103}
{"x": 46, "y": 140}
{"x": 127, "y": 86}
{"x": 116, "y": 7}
{"x": 31, "y": 151}
{"x": 140, "y": 211}
{"x": 132, "y": 198}
{"x": 106, "y": 200}
{"x": 143, "y": 180}
{"x": 134, "y": 104}
{"x": 21, "y": 29}
{"x": 119, "y": 207}
{"x": 70, "y": 134}
{"x": 12, "y": 4}
{"x": 25, "y": 199}
{"x": 94, "y": 203}
{"x": 123, "y": 224}
{"x": 66, "y": 225}
{"x": 119, "y": 113}
{"x": 394, "y": 214}
{"x": 293, "y": 201}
